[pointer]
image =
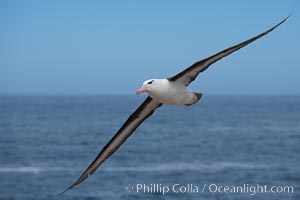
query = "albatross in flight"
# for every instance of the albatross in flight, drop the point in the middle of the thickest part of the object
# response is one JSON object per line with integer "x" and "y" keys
{"x": 172, "y": 91}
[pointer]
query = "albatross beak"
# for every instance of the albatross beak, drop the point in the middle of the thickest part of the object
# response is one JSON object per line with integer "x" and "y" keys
{"x": 141, "y": 90}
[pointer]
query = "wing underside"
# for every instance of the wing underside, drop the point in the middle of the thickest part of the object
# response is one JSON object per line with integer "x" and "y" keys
{"x": 188, "y": 75}
{"x": 145, "y": 110}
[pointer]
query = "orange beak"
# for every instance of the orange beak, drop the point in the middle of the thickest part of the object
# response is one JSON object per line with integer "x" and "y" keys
{"x": 141, "y": 90}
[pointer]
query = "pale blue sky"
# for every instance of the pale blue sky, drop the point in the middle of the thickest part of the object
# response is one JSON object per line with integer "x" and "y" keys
{"x": 111, "y": 47}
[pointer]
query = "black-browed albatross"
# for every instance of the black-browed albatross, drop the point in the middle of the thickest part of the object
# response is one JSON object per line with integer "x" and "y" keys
{"x": 170, "y": 91}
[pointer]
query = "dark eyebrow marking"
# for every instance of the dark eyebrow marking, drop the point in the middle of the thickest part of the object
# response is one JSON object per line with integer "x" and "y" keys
{"x": 150, "y": 82}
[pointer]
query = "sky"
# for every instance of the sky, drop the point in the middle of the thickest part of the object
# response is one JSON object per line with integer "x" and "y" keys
{"x": 111, "y": 47}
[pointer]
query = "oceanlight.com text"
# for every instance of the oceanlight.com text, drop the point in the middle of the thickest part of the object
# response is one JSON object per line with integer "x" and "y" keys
{"x": 164, "y": 189}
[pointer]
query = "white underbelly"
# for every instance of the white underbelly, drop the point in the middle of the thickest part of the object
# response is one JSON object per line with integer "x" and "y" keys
{"x": 174, "y": 93}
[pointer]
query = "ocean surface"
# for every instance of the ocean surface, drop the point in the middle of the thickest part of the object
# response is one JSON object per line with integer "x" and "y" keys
{"x": 223, "y": 147}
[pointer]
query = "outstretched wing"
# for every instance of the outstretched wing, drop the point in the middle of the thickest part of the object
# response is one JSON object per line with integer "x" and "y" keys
{"x": 143, "y": 112}
{"x": 188, "y": 75}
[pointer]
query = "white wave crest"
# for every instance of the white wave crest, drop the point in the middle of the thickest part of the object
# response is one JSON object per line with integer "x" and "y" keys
{"x": 29, "y": 169}
{"x": 183, "y": 166}
{"x": 23, "y": 169}
{"x": 162, "y": 167}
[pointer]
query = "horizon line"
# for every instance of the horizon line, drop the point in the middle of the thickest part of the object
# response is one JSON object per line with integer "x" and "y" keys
{"x": 127, "y": 94}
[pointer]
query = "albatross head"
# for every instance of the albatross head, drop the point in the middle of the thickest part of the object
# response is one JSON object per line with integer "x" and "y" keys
{"x": 147, "y": 86}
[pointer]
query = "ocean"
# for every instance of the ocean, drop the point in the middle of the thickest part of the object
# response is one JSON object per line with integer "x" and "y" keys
{"x": 223, "y": 147}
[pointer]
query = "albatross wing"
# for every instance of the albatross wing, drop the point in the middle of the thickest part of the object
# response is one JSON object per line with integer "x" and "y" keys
{"x": 188, "y": 75}
{"x": 145, "y": 110}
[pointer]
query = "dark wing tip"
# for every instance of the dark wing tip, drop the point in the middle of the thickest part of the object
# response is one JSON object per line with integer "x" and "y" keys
{"x": 66, "y": 190}
{"x": 288, "y": 16}
{"x": 280, "y": 22}
{"x": 79, "y": 180}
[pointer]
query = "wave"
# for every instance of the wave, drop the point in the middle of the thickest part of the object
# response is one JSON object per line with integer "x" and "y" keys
{"x": 23, "y": 169}
{"x": 183, "y": 166}
{"x": 29, "y": 169}
{"x": 165, "y": 167}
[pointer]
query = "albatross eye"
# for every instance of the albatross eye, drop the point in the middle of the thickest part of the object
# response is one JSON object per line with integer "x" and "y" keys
{"x": 150, "y": 82}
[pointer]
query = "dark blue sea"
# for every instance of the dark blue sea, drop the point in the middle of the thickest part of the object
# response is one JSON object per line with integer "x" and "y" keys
{"x": 223, "y": 147}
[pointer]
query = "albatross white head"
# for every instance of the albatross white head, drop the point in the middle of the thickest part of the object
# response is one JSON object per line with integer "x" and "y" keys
{"x": 147, "y": 86}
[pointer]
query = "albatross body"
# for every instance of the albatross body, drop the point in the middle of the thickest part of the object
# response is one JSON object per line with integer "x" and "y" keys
{"x": 172, "y": 91}
{"x": 169, "y": 92}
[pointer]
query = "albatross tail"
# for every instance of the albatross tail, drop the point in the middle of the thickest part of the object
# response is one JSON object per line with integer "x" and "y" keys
{"x": 197, "y": 98}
